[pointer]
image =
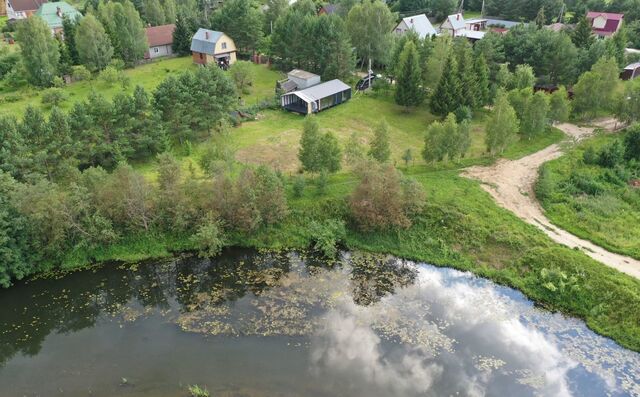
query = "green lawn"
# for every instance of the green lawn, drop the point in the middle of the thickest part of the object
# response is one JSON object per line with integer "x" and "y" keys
{"x": 591, "y": 202}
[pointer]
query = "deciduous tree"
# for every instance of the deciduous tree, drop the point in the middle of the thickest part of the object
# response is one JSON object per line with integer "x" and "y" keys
{"x": 93, "y": 44}
{"x": 40, "y": 51}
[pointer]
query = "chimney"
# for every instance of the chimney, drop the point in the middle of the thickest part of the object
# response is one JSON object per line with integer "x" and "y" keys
{"x": 411, "y": 20}
{"x": 457, "y": 17}
{"x": 206, "y": 34}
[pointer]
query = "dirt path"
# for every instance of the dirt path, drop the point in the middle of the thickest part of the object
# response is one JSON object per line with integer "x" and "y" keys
{"x": 511, "y": 183}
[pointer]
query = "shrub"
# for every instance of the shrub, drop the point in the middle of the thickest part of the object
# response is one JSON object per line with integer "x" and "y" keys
{"x": 326, "y": 236}
{"x": 385, "y": 199}
{"x": 53, "y": 97}
{"x": 209, "y": 239}
{"x": 299, "y": 183}
{"x": 632, "y": 143}
{"x": 197, "y": 391}
{"x": 321, "y": 183}
{"x": 590, "y": 156}
{"x": 463, "y": 113}
{"x": 611, "y": 155}
{"x": 110, "y": 75}
{"x": 58, "y": 82}
{"x": 80, "y": 73}
{"x": 117, "y": 63}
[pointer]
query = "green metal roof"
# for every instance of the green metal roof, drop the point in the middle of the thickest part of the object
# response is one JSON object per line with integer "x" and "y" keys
{"x": 52, "y": 13}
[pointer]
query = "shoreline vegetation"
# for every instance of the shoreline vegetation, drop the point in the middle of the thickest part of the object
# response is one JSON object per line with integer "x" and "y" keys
{"x": 461, "y": 227}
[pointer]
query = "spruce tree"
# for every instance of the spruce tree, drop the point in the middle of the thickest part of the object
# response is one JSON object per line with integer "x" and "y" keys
{"x": 481, "y": 71}
{"x": 446, "y": 97}
{"x": 582, "y": 36}
{"x": 182, "y": 35}
{"x": 466, "y": 76}
{"x": 409, "y": 80}
{"x": 69, "y": 29}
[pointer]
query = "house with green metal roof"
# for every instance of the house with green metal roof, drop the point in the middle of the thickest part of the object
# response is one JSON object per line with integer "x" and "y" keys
{"x": 53, "y": 12}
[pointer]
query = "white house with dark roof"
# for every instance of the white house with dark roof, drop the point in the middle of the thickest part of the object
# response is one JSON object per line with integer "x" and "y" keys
{"x": 418, "y": 23}
{"x": 316, "y": 98}
{"x": 210, "y": 46}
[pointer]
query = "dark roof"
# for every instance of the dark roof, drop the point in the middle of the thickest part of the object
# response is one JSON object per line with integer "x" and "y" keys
{"x": 329, "y": 8}
{"x": 160, "y": 35}
{"x": 26, "y": 5}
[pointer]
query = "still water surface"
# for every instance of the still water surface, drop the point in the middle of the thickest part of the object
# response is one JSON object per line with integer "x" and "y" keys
{"x": 265, "y": 324}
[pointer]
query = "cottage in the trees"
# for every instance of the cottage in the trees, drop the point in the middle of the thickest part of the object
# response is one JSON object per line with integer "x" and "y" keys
{"x": 21, "y": 9}
{"x": 160, "y": 39}
{"x": 211, "y": 47}
{"x": 604, "y": 24}
{"x": 631, "y": 71}
{"x": 418, "y": 23}
{"x": 52, "y": 14}
{"x": 317, "y": 98}
{"x": 456, "y": 26}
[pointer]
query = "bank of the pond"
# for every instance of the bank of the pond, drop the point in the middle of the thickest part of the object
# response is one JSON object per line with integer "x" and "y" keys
{"x": 462, "y": 228}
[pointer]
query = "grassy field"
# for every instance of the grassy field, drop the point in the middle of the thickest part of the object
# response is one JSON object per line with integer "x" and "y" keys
{"x": 148, "y": 76}
{"x": 589, "y": 201}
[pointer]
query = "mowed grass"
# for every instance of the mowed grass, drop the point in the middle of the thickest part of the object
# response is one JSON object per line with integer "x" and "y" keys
{"x": 147, "y": 75}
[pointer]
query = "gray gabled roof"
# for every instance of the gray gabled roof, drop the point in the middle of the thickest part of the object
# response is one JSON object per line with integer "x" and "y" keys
{"x": 205, "y": 40}
{"x": 302, "y": 74}
{"x": 456, "y": 21}
{"x": 321, "y": 90}
{"x": 421, "y": 25}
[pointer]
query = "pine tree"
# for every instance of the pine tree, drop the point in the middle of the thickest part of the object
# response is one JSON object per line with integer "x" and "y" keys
{"x": 409, "y": 80}
{"x": 380, "y": 149}
{"x": 541, "y": 19}
{"x": 481, "y": 71}
{"x": 446, "y": 97}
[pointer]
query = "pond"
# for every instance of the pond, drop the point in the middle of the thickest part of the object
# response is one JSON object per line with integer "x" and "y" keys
{"x": 285, "y": 324}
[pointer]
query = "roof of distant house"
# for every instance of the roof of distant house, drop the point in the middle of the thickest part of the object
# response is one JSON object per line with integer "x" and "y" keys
{"x": 52, "y": 13}
{"x": 420, "y": 24}
{"x": 26, "y": 5}
{"x": 456, "y": 21}
{"x": 160, "y": 35}
{"x": 321, "y": 90}
{"x": 301, "y": 74}
{"x": 471, "y": 34}
{"x": 557, "y": 27}
{"x": 608, "y": 15}
{"x": 329, "y": 8}
{"x": 205, "y": 40}
{"x": 503, "y": 22}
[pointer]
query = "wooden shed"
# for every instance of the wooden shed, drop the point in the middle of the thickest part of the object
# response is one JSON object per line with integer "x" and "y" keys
{"x": 317, "y": 98}
{"x": 631, "y": 72}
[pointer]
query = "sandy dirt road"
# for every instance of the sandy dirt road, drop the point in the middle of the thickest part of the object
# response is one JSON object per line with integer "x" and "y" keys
{"x": 511, "y": 183}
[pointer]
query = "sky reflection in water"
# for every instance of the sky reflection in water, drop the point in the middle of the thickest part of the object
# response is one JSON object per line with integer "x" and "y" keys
{"x": 260, "y": 324}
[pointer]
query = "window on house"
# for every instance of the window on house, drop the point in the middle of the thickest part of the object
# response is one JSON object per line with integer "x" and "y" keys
{"x": 224, "y": 46}
{"x": 201, "y": 56}
{"x": 155, "y": 49}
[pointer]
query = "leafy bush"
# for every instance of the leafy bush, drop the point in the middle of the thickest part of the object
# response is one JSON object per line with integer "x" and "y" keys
{"x": 385, "y": 199}
{"x": 197, "y": 391}
{"x": 53, "y": 97}
{"x": 632, "y": 143}
{"x": 463, "y": 113}
{"x": 590, "y": 156}
{"x": 110, "y": 75}
{"x": 209, "y": 239}
{"x": 611, "y": 155}
{"x": 326, "y": 236}
{"x": 80, "y": 73}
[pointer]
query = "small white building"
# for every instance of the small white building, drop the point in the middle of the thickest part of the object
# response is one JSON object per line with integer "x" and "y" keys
{"x": 303, "y": 79}
{"x": 453, "y": 25}
{"x": 160, "y": 39}
{"x": 418, "y": 23}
